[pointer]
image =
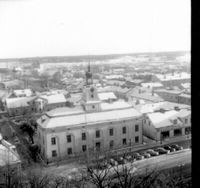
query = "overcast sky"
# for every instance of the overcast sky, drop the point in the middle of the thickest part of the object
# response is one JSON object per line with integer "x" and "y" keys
{"x": 31, "y": 28}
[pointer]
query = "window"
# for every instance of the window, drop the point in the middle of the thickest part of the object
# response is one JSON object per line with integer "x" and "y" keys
{"x": 93, "y": 106}
{"x": 53, "y": 141}
{"x": 136, "y": 128}
{"x": 124, "y": 141}
{"x": 92, "y": 96}
{"x": 98, "y": 145}
{"x": 83, "y": 136}
{"x": 84, "y": 148}
{"x": 124, "y": 130}
{"x": 111, "y": 144}
{"x": 186, "y": 120}
{"x": 97, "y": 133}
{"x": 175, "y": 121}
{"x": 54, "y": 153}
{"x": 69, "y": 139}
{"x": 136, "y": 139}
{"x": 111, "y": 132}
{"x": 69, "y": 151}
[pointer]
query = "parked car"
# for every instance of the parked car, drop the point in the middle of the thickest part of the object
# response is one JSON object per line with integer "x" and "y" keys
{"x": 145, "y": 154}
{"x": 169, "y": 148}
{"x": 162, "y": 150}
{"x": 113, "y": 162}
{"x": 177, "y": 147}
{"x": 137, "y": 156}
{"x": 152, "y": 152}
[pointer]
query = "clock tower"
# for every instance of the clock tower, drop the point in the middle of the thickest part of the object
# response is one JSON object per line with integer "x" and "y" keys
{"x": 90, "y": 97}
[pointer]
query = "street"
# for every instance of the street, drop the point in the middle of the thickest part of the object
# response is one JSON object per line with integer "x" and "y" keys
{"x": 158, "y": 163}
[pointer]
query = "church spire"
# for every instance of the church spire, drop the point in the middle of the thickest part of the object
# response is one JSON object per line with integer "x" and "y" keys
{"x": 88, "y": 76}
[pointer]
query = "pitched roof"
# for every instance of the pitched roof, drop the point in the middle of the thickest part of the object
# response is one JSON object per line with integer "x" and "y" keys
{"x": 74, "y": 120}
{"x": 18, "y": 102}
{"x": 54, "y": 98}
{"x": 160, "y": 119}
{"x": 149, "y": 108}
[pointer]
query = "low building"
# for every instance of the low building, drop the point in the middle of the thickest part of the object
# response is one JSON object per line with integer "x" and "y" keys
{"x": 18, "y": 105}
{"x": 9, "y": 159}
{"x": 152, "y": 85}
{"x": 48, "y": 102}
{"x": 22, "y": 93}
{"x": 165, "y": 125}
{"x": 184, "y": 98}
{"x": 170, "y": 95}
{"x": 148, "y": 96}
{"x": 170, "y": 80}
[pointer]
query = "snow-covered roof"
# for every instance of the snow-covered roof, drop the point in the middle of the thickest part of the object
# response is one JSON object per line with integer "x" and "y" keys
{"x": 109, "y": 77}
{"x": 7, "y": 155}
{"x": 149, "y": 108}
{"x": 175, "y": 76}
{"x": 165, "y": 119}
{"x": 20, "y": 92}
{"x": 152, "y": 84}
{"x": 172, "y": 91}
{"x": 185, "y": 95}
{"x": 106, "y": 96}
{"x": 120, "y": 104}
{"x": 74, "y": 120}
{"x": 54, "y": 98}
{"x": 18, "y": 102}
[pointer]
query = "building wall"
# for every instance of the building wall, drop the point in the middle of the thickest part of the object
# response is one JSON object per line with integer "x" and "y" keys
{"x": 90, "y": 130}
{"x": 171, "y": 97}
{"x": 150, "y": 131}
{"x": 184, "y": 100}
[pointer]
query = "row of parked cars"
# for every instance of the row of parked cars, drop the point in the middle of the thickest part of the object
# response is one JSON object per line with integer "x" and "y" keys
{"x": 115, "y": 160}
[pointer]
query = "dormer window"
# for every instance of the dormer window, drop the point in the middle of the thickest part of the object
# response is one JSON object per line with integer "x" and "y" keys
{"x": 92, "y": 96}
{"x": 175, "y": 121}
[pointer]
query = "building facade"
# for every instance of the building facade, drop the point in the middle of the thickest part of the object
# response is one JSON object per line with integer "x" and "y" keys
{"x": 94, "y": 126}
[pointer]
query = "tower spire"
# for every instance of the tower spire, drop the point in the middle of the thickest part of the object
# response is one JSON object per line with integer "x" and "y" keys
{"x": 88, "y": 75}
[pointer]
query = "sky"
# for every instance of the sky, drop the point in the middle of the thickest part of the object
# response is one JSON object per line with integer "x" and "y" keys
{"x": 30, "y": 28}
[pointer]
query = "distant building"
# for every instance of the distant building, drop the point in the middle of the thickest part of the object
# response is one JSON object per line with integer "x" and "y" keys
{"x": 152, "y": 85}
{"x": 22, "y": 93}
{"x": 169, "y": 94}
{"x": 12, "y": 84}
{"x": 184, "y": 99}
{"x": 95, "y": 126}
{"x": 173, "y": 79}
{"x": 48, "y": 102}
{"x": 178, "y": 96}
{"x": 147, "y": 95}
{"x": 18, "y": 105}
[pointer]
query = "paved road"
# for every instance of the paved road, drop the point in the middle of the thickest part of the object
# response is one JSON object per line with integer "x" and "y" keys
{"x": 160, "y": 162}
{"x": 165, "y": 161}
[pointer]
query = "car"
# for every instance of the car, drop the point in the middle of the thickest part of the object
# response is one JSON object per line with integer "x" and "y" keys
{"x": 113, "y": 162}
{"x": 177, "y": 147}
{"x": 120, "y": 160}
{"x": 162, "y": 150}
{"x": 145, "y": 154}
{"x": 152, "y": 152}
{"x": 169, "y": 148}
{"x": 137, "y": 156}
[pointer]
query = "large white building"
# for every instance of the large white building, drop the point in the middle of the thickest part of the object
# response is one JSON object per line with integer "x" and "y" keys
{"x": 95, "y": 125}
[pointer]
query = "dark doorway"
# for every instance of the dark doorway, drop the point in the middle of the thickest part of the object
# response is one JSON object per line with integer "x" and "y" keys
{"x": 164, "y": 135}
{"x": 177, "y": 132}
